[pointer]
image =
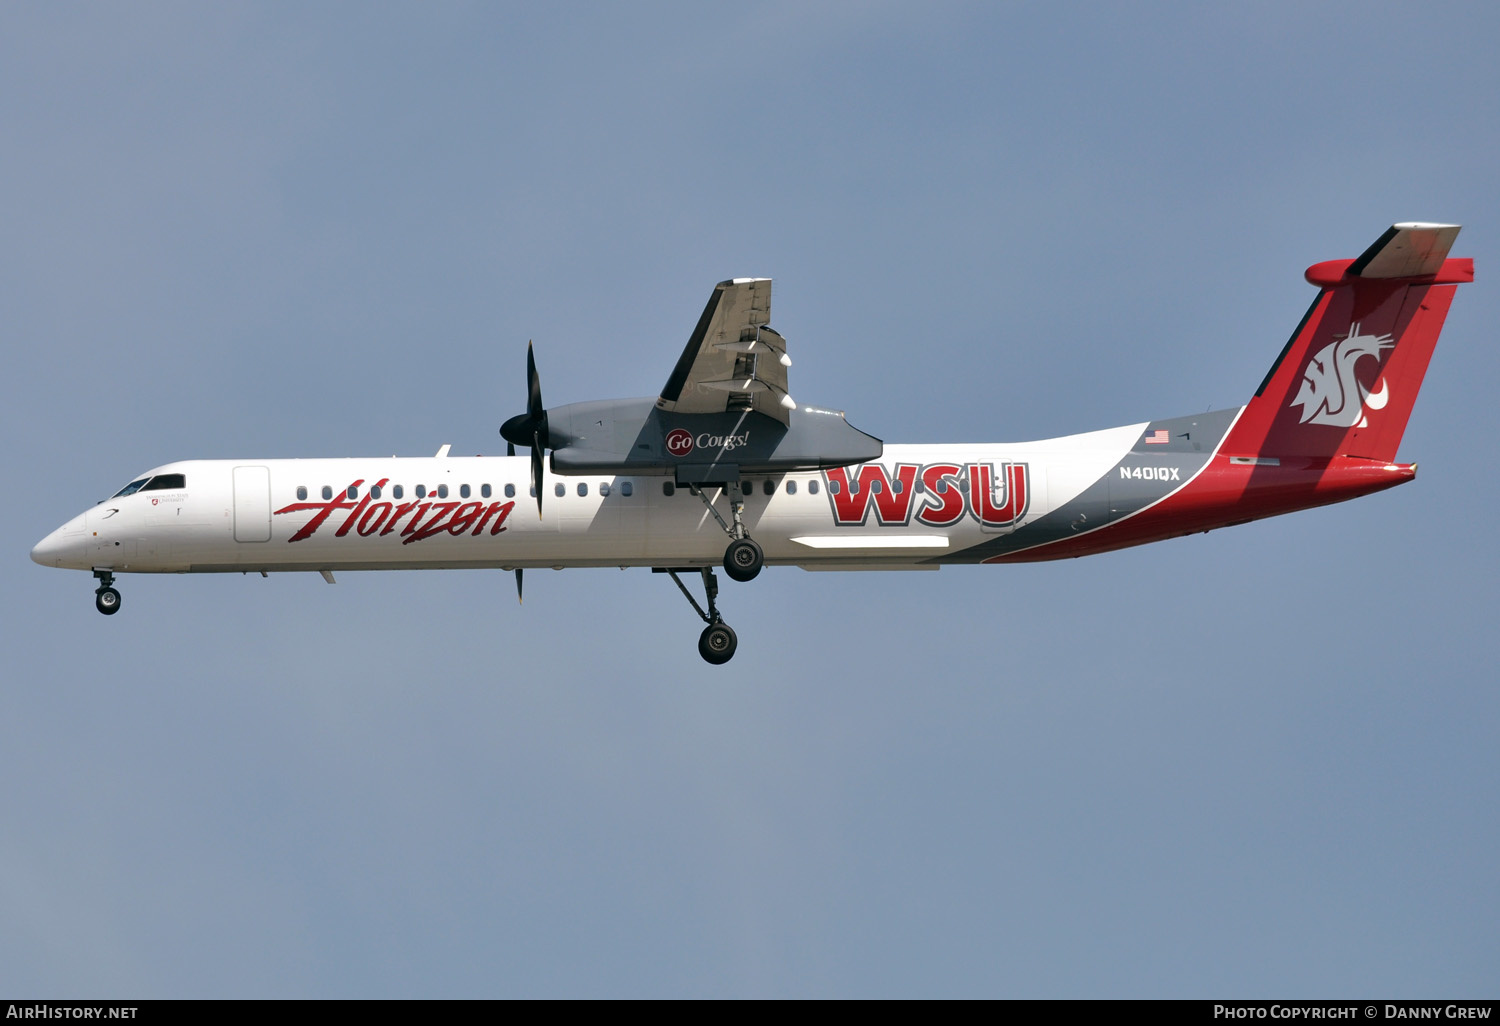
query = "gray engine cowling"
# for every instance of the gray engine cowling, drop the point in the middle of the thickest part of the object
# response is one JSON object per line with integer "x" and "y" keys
{"x": 633, "y": 436}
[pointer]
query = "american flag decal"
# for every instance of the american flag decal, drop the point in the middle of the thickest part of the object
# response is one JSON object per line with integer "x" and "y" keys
{"x": 1157, "y": 437}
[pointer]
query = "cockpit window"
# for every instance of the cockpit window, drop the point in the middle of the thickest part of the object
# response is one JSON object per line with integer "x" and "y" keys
{"x": 166, "y": 483}
{"x": 130, "y": 489}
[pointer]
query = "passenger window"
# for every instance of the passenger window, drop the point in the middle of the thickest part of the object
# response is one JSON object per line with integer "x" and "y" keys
{"x": 165, "y": 483}
{"x": 853, "y": 486}
{"x": 463, "y": 491}
{"x": 667, "y": 488}
{"x": 421, "y": 491}
{"x": 833, "y": 487}
{"x": 812, "y": 487}
{"x": 626, "y": 488}
{"x": 769, "y": 487}
{"x": 921, "y": 487}
{"x": 353, "y": 492}
{"x": 484, "y": 491}
{"x": 942, "y": 486}
{"x": 301, "y": 492}
{"x": 397, "y": 491}
{"x": 791, "y": 487}
{"x": 604, "y": 488}
{"x": 327, "y": 492}
{"x": 510, "y": 491}
{"x": 374, "y": 491}
{"x": 963, "y": 484}
{"x": 583, "y": 489}
{"x": 130, "y": 489}
{"x": 559, "y": 489}
{"x": 442, "y": 491}
{"x": 531, "y": 491}
{"x": 875, "y": 487}
{"x": 897, "y": 486}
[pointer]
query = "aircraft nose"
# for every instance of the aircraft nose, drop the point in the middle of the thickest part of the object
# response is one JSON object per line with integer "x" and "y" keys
{"x": 64, "y": 547}
{"x": 48, "y": 551}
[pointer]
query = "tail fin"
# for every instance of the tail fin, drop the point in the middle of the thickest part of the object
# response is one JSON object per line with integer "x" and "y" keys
{"x": 1346, "y": 381}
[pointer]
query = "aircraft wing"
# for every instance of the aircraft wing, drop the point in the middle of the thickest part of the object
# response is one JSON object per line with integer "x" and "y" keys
{"x": 734, "y": 360}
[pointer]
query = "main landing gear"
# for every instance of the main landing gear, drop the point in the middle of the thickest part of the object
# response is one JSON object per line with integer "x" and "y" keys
{"x": 717, "y": 642}
{"x": 106, "y": 599}
{"x": 743, "y": 558}
{"x": 742, "y": 562}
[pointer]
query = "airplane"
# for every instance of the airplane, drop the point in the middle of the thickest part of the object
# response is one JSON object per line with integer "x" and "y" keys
{"x": 724, "y": 468}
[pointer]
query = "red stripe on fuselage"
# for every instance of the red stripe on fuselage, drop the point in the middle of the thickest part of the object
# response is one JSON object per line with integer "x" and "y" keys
{"x": 1225, "y": 494}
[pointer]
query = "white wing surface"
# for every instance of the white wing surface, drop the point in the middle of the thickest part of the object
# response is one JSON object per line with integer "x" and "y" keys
{"x": 734, "y": 360}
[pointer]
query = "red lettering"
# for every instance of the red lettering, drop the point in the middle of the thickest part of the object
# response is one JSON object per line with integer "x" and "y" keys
{"x": 1020, "y": 489}
{"x": 367, "y": 517}
{"x": 357, "y": 511}
{"x": 851, "y": 501}
{"x": 847, "y": 507}
{"x": 401, "y": 510}
{"x": 982, "y": 495}
{"x": 945, "y": 506}
{"x": 370, "y": 523}
{"x": 432, "y": 526}
{"x": 499, "y": 521}
{"x": 416, "y": 519}
{"x": 493, "y": 509}
{"x": 339, "y": 501}
{"x": 463, "y": 517}
{"x": 892, "y": 500}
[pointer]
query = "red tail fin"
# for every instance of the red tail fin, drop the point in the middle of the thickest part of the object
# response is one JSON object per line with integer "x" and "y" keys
{"x": 1346, "y": 381}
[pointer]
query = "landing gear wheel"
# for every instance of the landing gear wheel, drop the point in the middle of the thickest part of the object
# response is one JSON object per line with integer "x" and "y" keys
{"x": 107, "y": 601}
{"x": 743, "y": 559}
{"x": 717, "y": 643}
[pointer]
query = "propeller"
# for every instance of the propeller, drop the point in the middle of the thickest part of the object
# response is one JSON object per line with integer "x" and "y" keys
{"x": 530, "y": 428}
{"x": 518, "y": 586}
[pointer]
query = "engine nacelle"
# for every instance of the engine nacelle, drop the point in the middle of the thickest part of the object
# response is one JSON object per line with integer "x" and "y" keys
{"x": 634, "y": 436}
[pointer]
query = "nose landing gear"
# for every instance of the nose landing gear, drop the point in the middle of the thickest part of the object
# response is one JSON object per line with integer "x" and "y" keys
{"x": 106, "y": 599}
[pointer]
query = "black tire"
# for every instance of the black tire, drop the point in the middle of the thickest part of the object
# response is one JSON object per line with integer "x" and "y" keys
{"x": 717, "y": 643}
{"x": 107, "y": 601}
{"x": 743, "y": 560}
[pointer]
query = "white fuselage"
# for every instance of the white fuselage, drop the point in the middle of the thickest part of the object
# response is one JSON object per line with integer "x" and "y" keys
{"x": 448, "y": 512}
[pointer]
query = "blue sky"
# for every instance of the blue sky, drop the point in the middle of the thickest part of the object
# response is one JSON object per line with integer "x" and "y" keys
{"x": 1260, "y": 762}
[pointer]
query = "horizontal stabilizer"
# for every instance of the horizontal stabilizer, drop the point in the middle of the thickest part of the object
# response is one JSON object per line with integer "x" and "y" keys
{"x": 1410, "y": 250}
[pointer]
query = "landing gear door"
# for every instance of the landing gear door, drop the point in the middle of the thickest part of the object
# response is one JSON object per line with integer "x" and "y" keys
{"x": 252, "y": 504}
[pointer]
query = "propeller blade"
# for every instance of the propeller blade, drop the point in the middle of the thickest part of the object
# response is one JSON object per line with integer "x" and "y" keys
{"x": 533, "y": 385}
{"x": 530, "y": 427}
{"x": 524, "y": 428}
{"x": 518, "y": 586}
{"x": 536, "y": 471}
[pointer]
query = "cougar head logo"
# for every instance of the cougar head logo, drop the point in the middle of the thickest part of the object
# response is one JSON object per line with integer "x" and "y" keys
{"x": 1330, "y": 393}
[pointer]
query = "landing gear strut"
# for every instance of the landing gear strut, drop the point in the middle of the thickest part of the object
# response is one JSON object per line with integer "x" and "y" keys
{"x": 717, "y": 642}
{"x": 106, "y": 599}
{"x": 743, "y": 559}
